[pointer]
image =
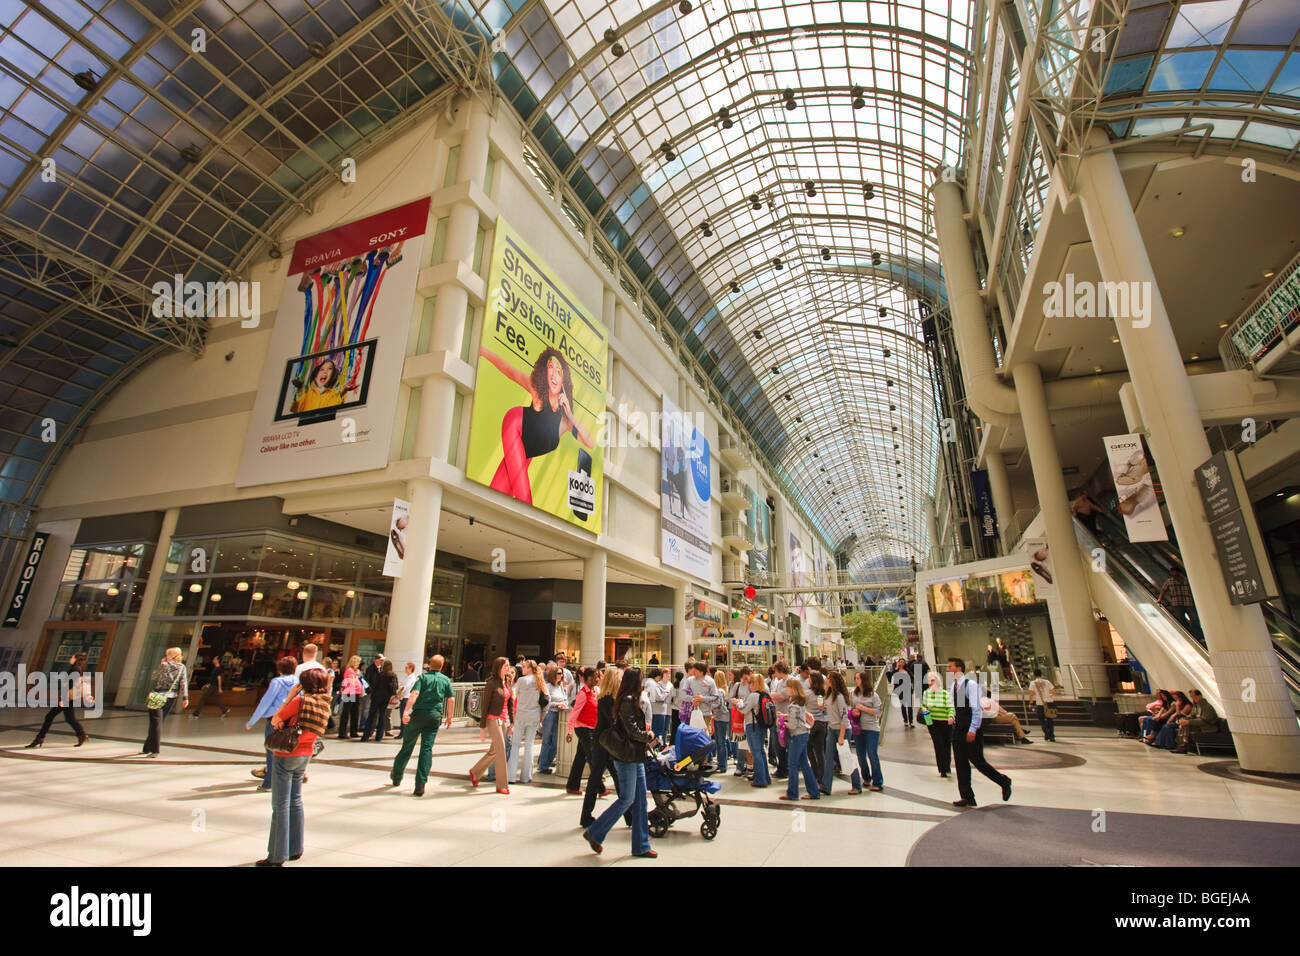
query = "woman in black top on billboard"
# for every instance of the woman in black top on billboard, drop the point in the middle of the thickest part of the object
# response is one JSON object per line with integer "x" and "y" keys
{"x": 529, "y": 431}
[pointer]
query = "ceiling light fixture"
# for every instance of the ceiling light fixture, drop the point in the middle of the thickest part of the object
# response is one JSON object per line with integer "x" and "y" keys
{"x": 724, "y": 117}
{"x": 868, "y": 191}
{"x": 1178, "y": 232}
{"x": 1269, "y": 273}
{"x": 778, "y": 263}
{"x": 826, "y": 254}
{"x": 810, "y": 187}
{"x": 667, "y": 149}
{"x": 316, "y": 49}
{"x": 191, "y": 154}
{"x": 706, "y": 229}
{"x": 86, "y": 80}
{"x": 685, "y": 7}
{"x": 755, "y": 202}
{"x": 735, "y": 286}
{"x": 789, "y": 99}
{"x": 883, "y": 312}
{"x": 858, "y": 101}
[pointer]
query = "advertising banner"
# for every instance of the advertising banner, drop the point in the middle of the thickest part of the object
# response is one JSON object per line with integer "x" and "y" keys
{"x": 796, "y": 602}
{"x": 1243, "y": 557}
{"x": 397, "y": 538}
{"x": 1040, "y": 566}
{"x": 23, "y": 586}
{"x": 329, "y": 386}
{"x": 1133, "y": 486}
{"x": 539, "y": 400}
{"x": 685, "y": 527}
{"x": 988, "y": 516}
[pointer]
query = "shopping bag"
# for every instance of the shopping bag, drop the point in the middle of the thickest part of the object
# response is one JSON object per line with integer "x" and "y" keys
{"x": 697, "y": 720}
{"x": 848, "y": 759}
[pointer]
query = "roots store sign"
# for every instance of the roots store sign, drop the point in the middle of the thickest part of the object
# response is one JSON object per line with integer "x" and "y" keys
{"x": 539, "y": 401}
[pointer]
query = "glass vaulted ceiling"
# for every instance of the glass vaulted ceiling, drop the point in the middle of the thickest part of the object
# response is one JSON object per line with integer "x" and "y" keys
{"x": 801, "y": 293}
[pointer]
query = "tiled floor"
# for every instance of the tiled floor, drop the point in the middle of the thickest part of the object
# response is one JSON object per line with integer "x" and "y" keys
{"x": 103, "y": 804}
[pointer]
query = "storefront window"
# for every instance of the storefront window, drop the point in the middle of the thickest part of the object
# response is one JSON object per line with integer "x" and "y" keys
{"x": 99, "y": 581}
{"x": 288, "y": 558}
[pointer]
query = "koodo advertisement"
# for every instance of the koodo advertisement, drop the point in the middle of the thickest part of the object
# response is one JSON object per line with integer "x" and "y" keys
{"x": 540, "y": 393}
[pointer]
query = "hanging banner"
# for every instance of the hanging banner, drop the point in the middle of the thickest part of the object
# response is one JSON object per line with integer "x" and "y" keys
{"x": 539, "y": 400}
{"x": 988, "y": 516}
{"x": 1040, "y": 566}
{"x": 396, "y": 555}
{"x": 1243, "y": 558}
{"x": 796, "y": 602}
{"x": 330, "y": 381}
{"x": 1133, "y": 485}
{"x": 685, "y": 536}
{"x": 26, "y": 577}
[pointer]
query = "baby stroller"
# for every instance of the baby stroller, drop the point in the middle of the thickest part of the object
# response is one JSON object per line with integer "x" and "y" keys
{"x": 671, "y": 779}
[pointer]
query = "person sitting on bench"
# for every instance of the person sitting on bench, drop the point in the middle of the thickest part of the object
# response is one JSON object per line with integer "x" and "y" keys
{"x": 1203, "y": 719}
{"x": 995, "y": 713}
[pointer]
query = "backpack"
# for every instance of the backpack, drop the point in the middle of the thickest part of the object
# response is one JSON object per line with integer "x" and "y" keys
{"x": 765, "y": 716}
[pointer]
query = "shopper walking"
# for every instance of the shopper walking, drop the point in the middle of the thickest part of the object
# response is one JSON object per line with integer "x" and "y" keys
{"x": 352, "y": 695}
{"x": 866, "y": 710}
{"x": 213, "y": 684}
{"x": 276, "y": 694}
{"x": 798, "y": 723}
{"x": 582, "y": 721}
{"x": 70, "y": 689}
{"x": 431, "y": 695}
{"x": 626, "y": 742}
{"x": 936, "y": 708}
{"x": 901, "y": 683}
{"x": 495, "y": 720}
{"x": 168, "y": 682}
{"x": 530, "y": 701}
{"x": 381, "y": 693}
{"x": 1042, "y": 697}
{"x": 309, "y": 711}
{"x": 610, "y": 679}
{"x": 968, "y": 736}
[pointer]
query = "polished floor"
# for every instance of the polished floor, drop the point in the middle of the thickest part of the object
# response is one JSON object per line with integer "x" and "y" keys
{"x": 104, "y": 805}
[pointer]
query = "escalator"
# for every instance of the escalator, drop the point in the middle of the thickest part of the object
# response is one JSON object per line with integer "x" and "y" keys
{"x": 1173, "y": 656}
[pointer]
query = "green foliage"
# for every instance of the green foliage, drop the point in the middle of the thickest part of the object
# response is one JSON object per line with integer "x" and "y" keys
{"x": 874, "y": 633}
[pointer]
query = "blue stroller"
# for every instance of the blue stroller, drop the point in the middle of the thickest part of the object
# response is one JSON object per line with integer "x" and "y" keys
{"x": 671, "y": 779}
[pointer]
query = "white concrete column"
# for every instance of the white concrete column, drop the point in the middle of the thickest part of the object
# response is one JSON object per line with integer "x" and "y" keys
{"x": 592, "y": 645}
{"x": 681, "y": 627}
{"x": 1001, "y": 488}
{"x": 438, "y": 393}
{"x": 1078, "y": 645}
{"x": 1241, "y": 652}
{"x": 140, "y": 633}
{"x": 408, "y": 614}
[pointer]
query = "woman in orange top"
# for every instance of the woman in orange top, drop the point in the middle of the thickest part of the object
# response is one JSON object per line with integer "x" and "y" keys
{"x": 310, "y": 711}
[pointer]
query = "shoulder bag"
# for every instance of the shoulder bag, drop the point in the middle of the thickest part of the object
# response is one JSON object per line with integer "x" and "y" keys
{"x": 285, "y": 740}
{"x": 158, "y": 699}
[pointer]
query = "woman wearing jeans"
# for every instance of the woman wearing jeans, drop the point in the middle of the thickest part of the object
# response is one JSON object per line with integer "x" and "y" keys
{"x": 755, "y": 733}
{"x": 625, "y": 742}
{"x": 866, "y": 707}
{"x": 311, "y": 711}
{"x": 557, "y": 695}
{"x": 276, "y": 694}
{"x": 797, "y": 727}
{"x": 837, "y": 708}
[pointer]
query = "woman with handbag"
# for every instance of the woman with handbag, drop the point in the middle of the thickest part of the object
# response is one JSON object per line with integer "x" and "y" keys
{"x": 837, "y": 708}
{"x": 530, "y": 700}
{"x": 168, "y": 682}
{"x": 609, "y": 685}
{"x": 625, "y": 741}
{"x": 495, "y": 720}
{"x": 297, "y": 723}
{"x": 351, "y": 695}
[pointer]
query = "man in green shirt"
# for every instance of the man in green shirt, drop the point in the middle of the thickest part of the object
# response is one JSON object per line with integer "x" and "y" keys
{"x": 1203, "y": 719}
{"x": 431, "y": 692}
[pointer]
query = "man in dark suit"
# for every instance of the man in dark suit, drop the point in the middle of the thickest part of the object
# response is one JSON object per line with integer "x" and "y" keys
{"x": 371, "y": 675}
{"x": 968, "y": 735}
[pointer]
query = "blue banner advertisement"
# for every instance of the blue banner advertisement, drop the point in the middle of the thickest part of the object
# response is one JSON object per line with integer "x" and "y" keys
{"x": 988, "y": 516}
